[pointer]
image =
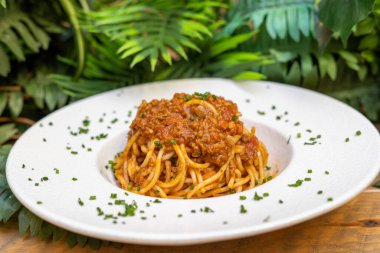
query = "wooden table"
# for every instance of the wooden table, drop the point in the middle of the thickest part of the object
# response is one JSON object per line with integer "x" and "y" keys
{"x": 354, "y": 227}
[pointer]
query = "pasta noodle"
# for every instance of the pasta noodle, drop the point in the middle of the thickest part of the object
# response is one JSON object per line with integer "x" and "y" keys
{"x": 192, "y": 146}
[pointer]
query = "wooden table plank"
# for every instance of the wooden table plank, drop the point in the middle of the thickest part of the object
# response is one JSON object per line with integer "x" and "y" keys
{"x": 355, "y": 227}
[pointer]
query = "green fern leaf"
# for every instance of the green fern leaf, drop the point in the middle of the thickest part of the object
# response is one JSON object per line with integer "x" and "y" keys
{"x": 5, "y": 66}
{"x": 28, "y": 34}
{"x": 6, "y": 132}
{"x": 15, "y": 103}
{"x": 9, "y": 205}
{"x": 150, "y": 31}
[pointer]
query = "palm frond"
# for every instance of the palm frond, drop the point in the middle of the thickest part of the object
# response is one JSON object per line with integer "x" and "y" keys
{"x": 150, "y": 31}
{"x": 220, "y": 58}
{"x": 280, "y": 18}
{"x": 18, "y": 32}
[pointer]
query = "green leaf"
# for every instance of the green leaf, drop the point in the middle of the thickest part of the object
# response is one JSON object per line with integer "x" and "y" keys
{"x": 9, "y": 205}
{"x": 350, "y": 13}
{"x": 7, "y": 131}
{"x": 294, "y": 75}
{"x": 369, "y": 42}
{"x": 229, "y": 43}
{"x": 15, "y": 103}
{"x": 9, "y": 38}
{"x": 5, "y": 66}
{"x": 331, "y": 66}
{"x": 3, "y": 101}
{"x": 293, "y": 24}
{"x": 3, "y": 3}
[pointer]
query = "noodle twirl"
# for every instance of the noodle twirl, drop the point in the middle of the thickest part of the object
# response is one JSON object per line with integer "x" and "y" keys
{"x": 191, "y": 146}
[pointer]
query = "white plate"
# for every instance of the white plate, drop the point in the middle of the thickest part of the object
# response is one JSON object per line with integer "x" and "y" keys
{"x": 351, "y": 166}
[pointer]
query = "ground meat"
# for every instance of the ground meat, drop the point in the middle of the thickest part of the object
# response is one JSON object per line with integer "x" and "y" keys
{"x": 204, "y": 132}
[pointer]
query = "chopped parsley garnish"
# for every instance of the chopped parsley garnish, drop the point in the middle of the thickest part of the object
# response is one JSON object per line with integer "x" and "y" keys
{"x": 92, "y": 198}
{"x": 83, "y": 130}
{"x": 273, "y": 107}
{"x": 296, "y": 184}
{"x": 242, "y": 197}
{"x": 257, "y": 197}
{"x": 74, "y": 152}
{"x": 142, "y": 115}
{"x": 247, "y": 100}
{"x": 193, "y": 211}
{"x": 327, "y": 173}
{"x": 129, "y": 187}
{"x": 307, "y": 179}
{"x": 80, "y": 202}
{"x": 114, "y": 121}
{"x": 188, "y": 98}
{"x": 206, "y": 209}
{"x": 308, "y": 130}
{"x": 242, "y": 209}
{"x": 310, "y": 143}
{"x": 319, "y": 192}
{"x": 36, "y": 184}
{"x": 158, "y": 144}
{"x": 129, "y": 113}
{"x": 278, "y": 117}
{"x": 202, "y": 96}
{"x": 296, "y": 124}
{"x": 192, "y": 117}
{"x": 138, "y": 188}
{"x": 50, "y": 123}
{"x": 234, "y": 118}
{"x": 266, "y": 219}
{"x": 157, "y": 201}
{"x": 86, "y": 122}
{"x": 23, "y": 166}
{"x": 74, "y": 179}
{"x": 191, "y": 187}
{"x": 329, "y": 199}
{"x": 268, "y": 167}
{"x": 309, "y": 171}
{"x": 260, "y": 112}
{"x": 231, "y": 191}
{"x": 44, "y": 139}
{"x": 180, "y": 215}
{"x": 266, "y": 194}
{"x": 173, "y": 142}
{"x": 44, "y": 179}
{"x": 280, "y": 201}
{"x": 113, "y": 196}
{"x": 143, "y": 218}
{"x": 101, "y": 136}
{"x": 298, "y": 135}
{"x": 270, "y": 178}
{"x": 39, "y": 202}
{"x": 357, "y": 133}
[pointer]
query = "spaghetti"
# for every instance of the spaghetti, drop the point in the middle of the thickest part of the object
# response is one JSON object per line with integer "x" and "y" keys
{"x": 191, "y": 146}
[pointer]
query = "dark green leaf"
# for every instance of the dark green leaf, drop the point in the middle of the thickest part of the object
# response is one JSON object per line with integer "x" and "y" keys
{"x": 6, "y": 132}
{"x": 15, "y": 103}
{"x": 350, "y": 13}
{"x": 9, "y": 205}
{"x": 3, "y": 101}
{"x": 5, "y": 66}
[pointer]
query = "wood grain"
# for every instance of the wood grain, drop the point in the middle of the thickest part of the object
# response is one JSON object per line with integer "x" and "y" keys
{"x": 354, "y": 227}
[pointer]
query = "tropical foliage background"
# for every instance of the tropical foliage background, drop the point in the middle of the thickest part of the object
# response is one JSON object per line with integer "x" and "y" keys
{"x": 55, "y": 52}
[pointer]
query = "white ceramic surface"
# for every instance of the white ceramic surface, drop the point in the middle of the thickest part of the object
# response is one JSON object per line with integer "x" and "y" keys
{"x": 46, "y": 156}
